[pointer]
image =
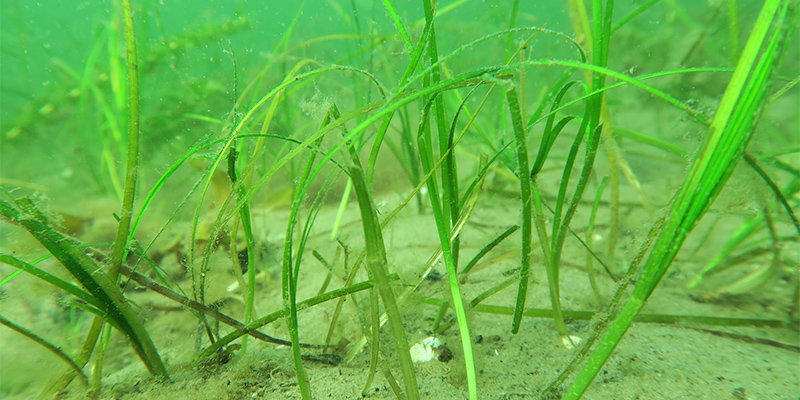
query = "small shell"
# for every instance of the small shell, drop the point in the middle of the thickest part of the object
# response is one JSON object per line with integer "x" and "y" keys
{"x": 424, "y": 350}
{"x": 571, "y": 341}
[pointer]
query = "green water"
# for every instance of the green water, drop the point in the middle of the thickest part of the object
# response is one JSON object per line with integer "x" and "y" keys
{"x": 63, "y": 136}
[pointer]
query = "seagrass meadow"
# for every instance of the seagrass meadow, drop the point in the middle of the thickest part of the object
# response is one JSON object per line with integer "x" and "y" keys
{"x": 412, "y": 199}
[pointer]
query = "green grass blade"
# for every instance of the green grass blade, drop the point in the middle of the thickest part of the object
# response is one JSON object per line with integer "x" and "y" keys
{"x": 132, "y": 164}
{"x": 751, "y": 161}
{"x": 590, "y": 238}
{"x": 526, "y": 199}
{"x": 642, "y": 8}
{"x": 247, "y": 225}
{"x": 708, "y": 174}
{"x": 550, "y": 134}
{"x": 51, "y": 279}
{"x": 486, "y": 249}
{"x": 272, "y": 317}
{"x": 377, "y": 263}
{"x": 49, "y": 346}
{"x": 289, "y": 274}
{"x": 401, "y": 30}
{"x": 200, "y": 308}
{"x": 91, "y": 277}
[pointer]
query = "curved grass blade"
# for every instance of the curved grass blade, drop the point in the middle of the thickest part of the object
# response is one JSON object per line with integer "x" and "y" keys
{"x": 486, "y": 249}
{"x": 550, "y": 134}
{"x": 245, "y": 330}
{"x": 92, "y": 278}
{"x": 753, "y": 163}
{"x": 49, "y": 346}
{"x": 527, "y": 200}
{"x": 728, "y": 136}
{"x": 52, "y": 279}
{"x": 377, "y": 264}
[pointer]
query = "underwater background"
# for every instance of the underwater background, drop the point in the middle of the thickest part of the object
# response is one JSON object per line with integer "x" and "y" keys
{"x": 256, "y": 119}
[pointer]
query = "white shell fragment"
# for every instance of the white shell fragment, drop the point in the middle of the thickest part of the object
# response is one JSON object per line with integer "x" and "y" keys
{"x": 424, "y": 350}
{"x": 571, "y": 341}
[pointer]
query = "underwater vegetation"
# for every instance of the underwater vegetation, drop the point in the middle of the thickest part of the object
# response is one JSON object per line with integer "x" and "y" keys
{"x": 426, "y": 200}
